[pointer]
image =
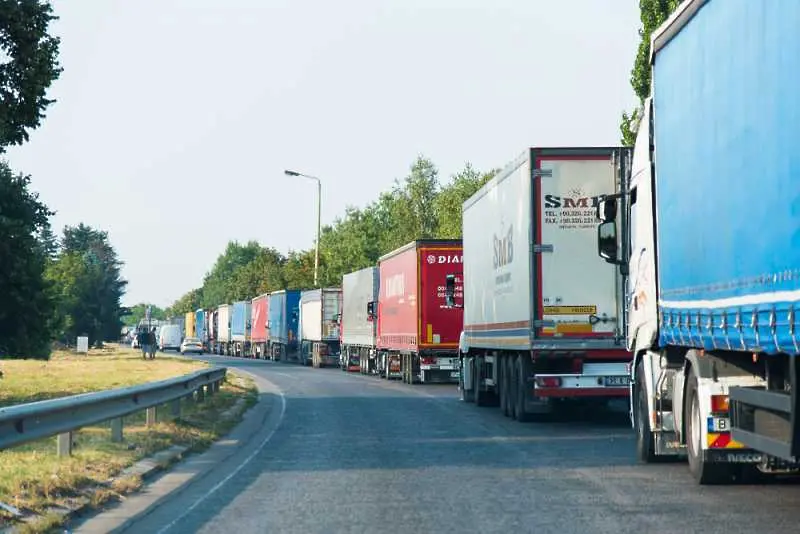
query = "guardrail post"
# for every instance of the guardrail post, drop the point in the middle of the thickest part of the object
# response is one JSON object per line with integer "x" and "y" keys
{"x": 175, "y": 408}
{"x": 116, "y": 430}
{"x": 151, "y": 416}
{"x": 217, "y": 385}
{"x": 64, "y": 444}
{"x": 210, "y": 389}
{"x": 200, "y": 394}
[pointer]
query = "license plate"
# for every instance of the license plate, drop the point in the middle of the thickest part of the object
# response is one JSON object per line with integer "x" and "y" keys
{"x": 719, "y": 424}
{"x": 609, "y": 381}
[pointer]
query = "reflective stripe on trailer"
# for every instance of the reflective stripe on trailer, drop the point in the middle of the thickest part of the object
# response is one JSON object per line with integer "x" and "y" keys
{"x": 582, "y": 392}
{"x": 722, "y": 440}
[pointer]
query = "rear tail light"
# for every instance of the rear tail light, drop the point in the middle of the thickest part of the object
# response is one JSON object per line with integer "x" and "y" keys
{"x": 548, "y": 381}
{"x": 719, "y": 404}
{"x": 428, "y": 361}
{"x": 577, "y": 366}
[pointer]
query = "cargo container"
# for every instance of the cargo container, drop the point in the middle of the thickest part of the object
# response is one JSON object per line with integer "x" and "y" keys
{"x": 240, "y": 328}
{"x": 259, "y": 335}
{"x": 189, "y": 322}
{"x": 714, "y": 261}
{"x": 543, "y": 315}
{"x": 283, "y": 316}
{"x": 358, "y": 325}
{"x": 418, "y": 335}
{"x": 318, "y": 325}
{"x": 223, "y": 342}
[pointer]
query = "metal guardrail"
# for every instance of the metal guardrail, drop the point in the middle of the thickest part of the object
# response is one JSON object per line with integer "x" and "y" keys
{"x": 23, "y": 423}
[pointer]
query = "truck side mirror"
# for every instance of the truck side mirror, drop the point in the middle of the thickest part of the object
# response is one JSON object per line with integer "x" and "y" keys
{"x": 450, "y": 290}
{"x": 371, "y": 311}
{"x": 338, "y": 319}
{"x": 607, "y": 208}
{"x": 607, "y": 241}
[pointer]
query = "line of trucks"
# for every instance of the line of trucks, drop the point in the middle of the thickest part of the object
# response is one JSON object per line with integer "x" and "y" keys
{"x": 667, "y": 274}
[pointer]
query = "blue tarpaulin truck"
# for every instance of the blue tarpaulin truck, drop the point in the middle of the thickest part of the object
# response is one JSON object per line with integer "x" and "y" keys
{"x": 709, "y": 230}
{"x": 283, "y": 315}
{"x": 240, "y": 328}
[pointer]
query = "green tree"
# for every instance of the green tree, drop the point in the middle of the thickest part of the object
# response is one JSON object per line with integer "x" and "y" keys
{"x": 223, "y": 283}
{"x": 139, "y": 311}
{"x": 29, "y": 67}
{"x": 451, "y": 198}
{"x": 298, "y": 271}
{"x": 653, "y": 14}
{"x": 26, "y": 305}
{"x": 262, "y": 274}
{"x": 190, "y": 301}
{"x": 89, "y": 284}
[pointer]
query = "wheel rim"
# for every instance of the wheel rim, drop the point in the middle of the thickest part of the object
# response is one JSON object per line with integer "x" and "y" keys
{"x": 694, "y": 427}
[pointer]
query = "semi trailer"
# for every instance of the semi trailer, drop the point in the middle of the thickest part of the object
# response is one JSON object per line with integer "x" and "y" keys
{"x": 417, "y": 335}
{"x": 544, "y": 317}
{"x": 201, "y": 327}
{"x": 222, "y": 342}
{"x": 714, "y": 256}
{"x": 282, "y": 326}
{"x": 318, "y": 324}
{"x": 358, "y": 324}
{"x": 240, "y": 328}
{"x": 259, "y": 335}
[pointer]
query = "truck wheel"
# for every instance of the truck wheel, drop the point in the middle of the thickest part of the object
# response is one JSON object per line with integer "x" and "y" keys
{"x": 520, "y": 388}
{"x": 502, "y": 370}
{"x": 510, "y": 383}
{"x": 702, "y": 471}
{"x": 645, "y": 441}
{"x": 466, "y": 396}
{"x": 477, "y": 377}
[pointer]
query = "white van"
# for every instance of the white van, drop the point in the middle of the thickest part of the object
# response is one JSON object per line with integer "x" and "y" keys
{"x": 170, "y": 338}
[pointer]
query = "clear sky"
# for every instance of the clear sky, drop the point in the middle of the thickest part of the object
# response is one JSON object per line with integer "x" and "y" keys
{"x": 176, "y": 118}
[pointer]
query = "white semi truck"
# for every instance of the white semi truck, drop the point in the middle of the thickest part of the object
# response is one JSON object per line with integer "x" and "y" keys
{"x": 543, "y": 315}
{"x": 714, "y": 249}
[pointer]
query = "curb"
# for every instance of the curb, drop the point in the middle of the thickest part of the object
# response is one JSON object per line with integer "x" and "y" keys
{"x": 143, "y": 470}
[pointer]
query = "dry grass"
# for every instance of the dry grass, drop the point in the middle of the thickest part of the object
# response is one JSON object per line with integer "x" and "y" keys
{"x": 34, "y": 480}
{"x": 70, "y": 374}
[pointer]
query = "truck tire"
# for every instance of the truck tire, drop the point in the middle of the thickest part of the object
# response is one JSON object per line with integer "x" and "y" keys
{"x": 505, "y": 405}
{"x": 645, "y": 441}
{"x": 704, "y": 473}
{"x": 520, "y": 390}
{"x": 511, "y": 392}
{"x": 466, "y": 396}
{"x": 477, "y": 377}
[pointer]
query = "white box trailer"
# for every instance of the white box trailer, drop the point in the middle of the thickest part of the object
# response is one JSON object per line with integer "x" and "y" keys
{"x": 359, "y": 319}
{"x": 223, "y": 341}
{"x": 319, "y": 325}
{"x": 543, "y": 314}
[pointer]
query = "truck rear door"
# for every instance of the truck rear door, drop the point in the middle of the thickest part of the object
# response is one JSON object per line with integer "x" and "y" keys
{"x": 577, "y": 292}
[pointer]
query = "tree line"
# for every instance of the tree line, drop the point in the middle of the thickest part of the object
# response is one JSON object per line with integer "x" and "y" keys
{"x": 55, "y": 288}
{"x": 52, "y": 288}
{"x": 418, "y": 206}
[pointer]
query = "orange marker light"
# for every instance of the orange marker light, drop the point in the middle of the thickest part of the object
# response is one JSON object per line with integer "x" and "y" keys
{"x": 719, "y": 404}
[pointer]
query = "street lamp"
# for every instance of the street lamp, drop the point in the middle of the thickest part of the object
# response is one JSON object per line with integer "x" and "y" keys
{"x": 319, "y": 215}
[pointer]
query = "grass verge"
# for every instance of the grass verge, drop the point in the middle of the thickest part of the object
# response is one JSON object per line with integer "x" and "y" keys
{"x": 39, "y": 484}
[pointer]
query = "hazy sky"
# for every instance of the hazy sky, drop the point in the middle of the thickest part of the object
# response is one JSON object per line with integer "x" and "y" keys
{"x": 176, "y": 118}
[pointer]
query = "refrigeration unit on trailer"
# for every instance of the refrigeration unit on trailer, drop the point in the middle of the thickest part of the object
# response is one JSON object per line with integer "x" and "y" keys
{"x": 417, "y": 334}
{"x": 319, "y": 326}
{"x": 223, "y": 340}
{"x": 358, "y": 322}
{"x": 282, "y": 326}
{"x": 714, "y": 258}
{"x": 543, "y": 315}
{"x": 259, "y": 335}
{"x": 240, "y": 328}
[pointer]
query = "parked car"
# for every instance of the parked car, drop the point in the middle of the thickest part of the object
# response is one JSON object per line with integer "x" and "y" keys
{"x": 192, "y": 344}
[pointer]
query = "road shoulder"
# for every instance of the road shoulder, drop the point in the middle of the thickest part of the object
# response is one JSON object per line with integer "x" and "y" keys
{"x": 178, "y": 481}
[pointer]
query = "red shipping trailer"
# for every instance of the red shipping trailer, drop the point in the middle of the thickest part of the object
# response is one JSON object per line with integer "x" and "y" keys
{"x": 417, "y": 334}
{"x": 259, "y": 333}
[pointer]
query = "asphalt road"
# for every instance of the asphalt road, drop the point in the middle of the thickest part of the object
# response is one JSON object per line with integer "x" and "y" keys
{"x": 347, "y": 453}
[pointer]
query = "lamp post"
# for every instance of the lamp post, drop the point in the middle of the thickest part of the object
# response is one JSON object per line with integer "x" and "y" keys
{"x": 319, "y": 216}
